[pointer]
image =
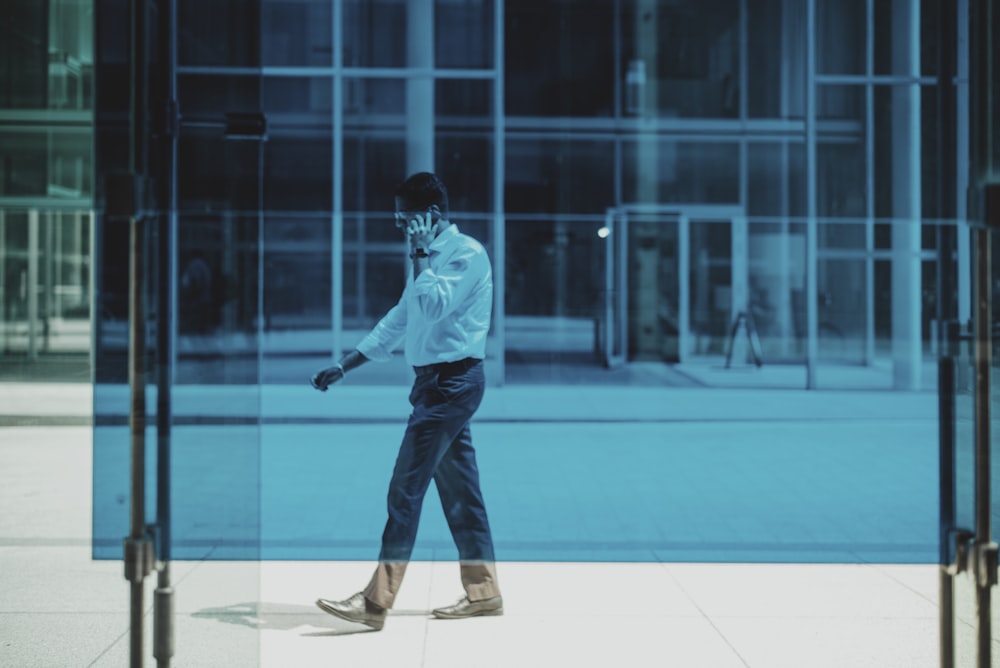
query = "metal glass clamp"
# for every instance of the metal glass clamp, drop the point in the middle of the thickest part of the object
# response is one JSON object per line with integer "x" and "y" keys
{"x": 963, "y": 542}
{"x": 986, "y": 564}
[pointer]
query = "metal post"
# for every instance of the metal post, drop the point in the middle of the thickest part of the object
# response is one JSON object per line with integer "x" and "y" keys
{"x": 982, "y": 402}
{"x": 138, "y": 552}
{"x": 981, "y": 154}
{"x": 163, "y": 617}
{"x": 946, "y": 439}
{"x": 499, "y": 179}
{"x": 163, "y": 596}
{"x": 138, "y": 547}
{"x": 947, "y": 312}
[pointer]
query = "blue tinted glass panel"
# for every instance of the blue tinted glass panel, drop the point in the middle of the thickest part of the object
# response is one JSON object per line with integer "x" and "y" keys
{"x": 556, "y": 491}
{"x": 214, "y": 473}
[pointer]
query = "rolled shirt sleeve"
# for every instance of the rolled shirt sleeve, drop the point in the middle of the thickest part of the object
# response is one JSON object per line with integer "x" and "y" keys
{"x": 386, "y": 335}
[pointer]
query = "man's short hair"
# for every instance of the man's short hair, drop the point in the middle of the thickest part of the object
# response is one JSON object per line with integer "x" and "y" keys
{"x": 421, "y": 191}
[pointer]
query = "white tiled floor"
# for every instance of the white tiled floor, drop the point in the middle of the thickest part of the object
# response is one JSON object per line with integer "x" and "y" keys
{"x": 60, "y": 608}
{"x": 690, "y": 615}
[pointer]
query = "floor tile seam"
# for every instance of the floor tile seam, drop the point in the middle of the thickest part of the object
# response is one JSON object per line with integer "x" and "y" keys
{"x": 110, "y": 647}
{"x": 846, "y": 617}
{"x": 65, "y": 611}
{"x": 705, "y": 615}
{"x": 881, "y": 568}
{"x": 425, "y": 637}
{"x": 47, "y": 543}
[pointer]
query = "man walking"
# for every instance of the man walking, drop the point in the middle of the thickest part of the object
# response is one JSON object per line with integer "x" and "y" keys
{"x": 443, "y": 317}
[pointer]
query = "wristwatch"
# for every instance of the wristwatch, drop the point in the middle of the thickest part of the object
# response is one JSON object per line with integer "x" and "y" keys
{"x": 418, "y": 252}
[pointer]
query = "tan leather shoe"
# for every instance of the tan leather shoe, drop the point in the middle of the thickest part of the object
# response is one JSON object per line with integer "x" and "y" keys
{"x": 355, "y": 609}
{"x": 488, "y": 607}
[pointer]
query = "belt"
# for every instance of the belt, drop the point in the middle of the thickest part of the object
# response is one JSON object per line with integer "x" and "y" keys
{"x": 448, "y": 367}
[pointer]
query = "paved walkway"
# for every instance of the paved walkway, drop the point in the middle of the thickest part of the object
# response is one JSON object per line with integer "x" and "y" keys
{"x": 58, "y": 607}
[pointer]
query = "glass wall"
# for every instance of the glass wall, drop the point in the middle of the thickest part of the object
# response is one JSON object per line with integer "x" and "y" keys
{"x": 648, "y": 177}
{"x": 46, "y": 188}
{"x": 594, "y": 110}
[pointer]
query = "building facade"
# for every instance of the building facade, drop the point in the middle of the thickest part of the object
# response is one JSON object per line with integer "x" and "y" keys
{"x": 644, "y": 173}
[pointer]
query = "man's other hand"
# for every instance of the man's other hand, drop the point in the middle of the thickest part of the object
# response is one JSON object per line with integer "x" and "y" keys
{"x": 327, "y": 377}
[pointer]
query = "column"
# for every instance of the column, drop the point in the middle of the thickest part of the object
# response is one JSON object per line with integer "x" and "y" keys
{"x": 906, "y": 286}
{"x": 420, "y": 86}
{"x": 645, "y": 337}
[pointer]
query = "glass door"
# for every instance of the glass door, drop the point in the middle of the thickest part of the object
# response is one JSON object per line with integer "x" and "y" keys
{"x": 675, "y": 282}
{"x": 655, "y": 263}
{"x": 643, "y": 317}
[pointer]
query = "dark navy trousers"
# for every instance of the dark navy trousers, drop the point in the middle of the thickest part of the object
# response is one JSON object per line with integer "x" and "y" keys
{"x": 437, "y": 446}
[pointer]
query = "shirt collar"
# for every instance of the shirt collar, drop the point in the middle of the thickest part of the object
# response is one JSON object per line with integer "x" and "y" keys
{"x": 442, "y": 240}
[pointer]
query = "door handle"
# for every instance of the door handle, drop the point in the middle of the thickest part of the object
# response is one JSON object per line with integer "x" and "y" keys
{"x": 981, "y": 558}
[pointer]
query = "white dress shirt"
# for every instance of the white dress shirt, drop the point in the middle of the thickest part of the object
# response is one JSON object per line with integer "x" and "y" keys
{"x": 444, "y": 314}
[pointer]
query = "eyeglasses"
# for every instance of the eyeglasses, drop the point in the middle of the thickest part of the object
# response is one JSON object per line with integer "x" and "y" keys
{"x": 404, "y": 217}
